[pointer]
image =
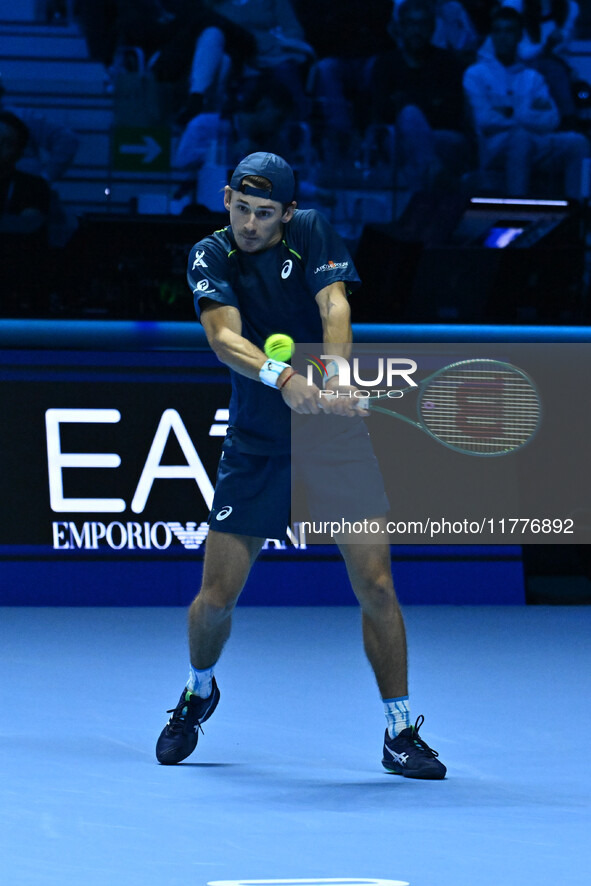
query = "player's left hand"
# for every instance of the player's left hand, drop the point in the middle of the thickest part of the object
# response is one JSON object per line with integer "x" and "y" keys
{"x": 345, "y": 402}
{"x": 300, "y": 396}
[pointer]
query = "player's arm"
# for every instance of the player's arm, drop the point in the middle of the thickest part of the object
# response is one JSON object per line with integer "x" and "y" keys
{"x": 223, "y": 328}
{"x": 335, "y": 313}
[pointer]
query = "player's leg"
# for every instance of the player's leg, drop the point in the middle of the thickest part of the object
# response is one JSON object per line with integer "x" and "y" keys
{"x": 343, "y": 481}
{"x": 384, "y": 636}
{"x": 251, "y": 503}
{"x": 228, "y": 560}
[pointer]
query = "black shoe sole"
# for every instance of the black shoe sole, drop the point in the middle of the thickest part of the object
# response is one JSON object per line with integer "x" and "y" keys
{"x": 426, "y": 775}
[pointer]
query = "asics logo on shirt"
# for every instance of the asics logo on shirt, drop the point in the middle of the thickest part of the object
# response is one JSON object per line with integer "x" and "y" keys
{"x": 286, "y": 269}
{"x": 225, "y": 512}
{"x": 199, "y": 263}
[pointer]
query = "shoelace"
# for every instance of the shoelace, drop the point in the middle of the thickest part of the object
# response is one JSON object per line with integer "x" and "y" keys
{"x": 175, "y": 724}
{"x": 419, "y": 742}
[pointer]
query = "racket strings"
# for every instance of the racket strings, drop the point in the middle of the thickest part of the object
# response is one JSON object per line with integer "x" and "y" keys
{"x": 481, "y": 409}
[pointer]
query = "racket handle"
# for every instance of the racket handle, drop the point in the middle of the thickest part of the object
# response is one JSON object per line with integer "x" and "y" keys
{"x": 361, "y": 403}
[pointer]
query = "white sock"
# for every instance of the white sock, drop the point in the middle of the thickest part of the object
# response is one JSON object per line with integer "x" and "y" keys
{"x": 397, "y": 714}
{"x": 200, "y": 682}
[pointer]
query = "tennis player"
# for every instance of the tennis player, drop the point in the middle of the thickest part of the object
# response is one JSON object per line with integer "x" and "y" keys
{"x": 277, "y": 268}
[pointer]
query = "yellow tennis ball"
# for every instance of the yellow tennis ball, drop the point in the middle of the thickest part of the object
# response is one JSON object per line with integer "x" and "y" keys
{"x": 280, "y": 347}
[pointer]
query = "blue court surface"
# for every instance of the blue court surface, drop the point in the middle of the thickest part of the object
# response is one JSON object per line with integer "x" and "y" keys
{"x": 286, "y": 784}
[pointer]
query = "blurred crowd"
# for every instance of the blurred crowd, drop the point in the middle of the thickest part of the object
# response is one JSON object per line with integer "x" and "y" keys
{"x": 418, "y": 94}
{"x": 433, "y": 97}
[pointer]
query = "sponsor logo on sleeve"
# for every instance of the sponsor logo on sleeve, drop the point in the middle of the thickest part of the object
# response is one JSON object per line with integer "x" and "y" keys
{"x": 199, "y": 262}
{"x": 332, "y": 266}
{"x": 204, "y": 286}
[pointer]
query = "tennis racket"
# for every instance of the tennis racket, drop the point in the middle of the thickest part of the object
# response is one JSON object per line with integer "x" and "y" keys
{"x": 478, "y": 407}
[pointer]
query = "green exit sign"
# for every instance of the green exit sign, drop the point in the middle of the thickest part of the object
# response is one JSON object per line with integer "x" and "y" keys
{"x": 141, "y": 149}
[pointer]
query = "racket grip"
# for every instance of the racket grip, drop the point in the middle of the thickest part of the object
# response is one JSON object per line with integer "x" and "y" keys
{"x": 361, "y": 403}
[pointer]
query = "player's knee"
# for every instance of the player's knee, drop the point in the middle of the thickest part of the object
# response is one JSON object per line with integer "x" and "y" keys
{"x": 377, "y": 594}
{"x": 214, "y": 605}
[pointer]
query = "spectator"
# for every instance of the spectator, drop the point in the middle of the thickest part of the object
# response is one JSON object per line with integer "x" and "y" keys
{"x": 515, "y": 116}
{"x": 24, "y": 211}
{"x": 50, "y": 149}
{"x": 262, "y": 121}
{"x": 181, "y": 41}
{"x": 347, "y": 46}
{"x": 418, "y": 87}
{"x": 548, "y": 28}
{"x": 280, "y": 47}
{"x": 454, "y": 28}
{"x": 480, "y": 12}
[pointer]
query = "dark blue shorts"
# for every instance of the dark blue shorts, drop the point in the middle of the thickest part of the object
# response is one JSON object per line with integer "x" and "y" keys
{"x": 259, "y": 495}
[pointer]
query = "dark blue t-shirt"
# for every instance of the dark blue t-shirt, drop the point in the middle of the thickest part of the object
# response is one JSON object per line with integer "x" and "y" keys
{"x": 275, "y": 292}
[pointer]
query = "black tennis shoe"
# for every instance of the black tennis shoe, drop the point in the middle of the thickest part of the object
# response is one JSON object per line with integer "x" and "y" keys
{"x": 409, "y": 755}
{"x": 179, "y": 737}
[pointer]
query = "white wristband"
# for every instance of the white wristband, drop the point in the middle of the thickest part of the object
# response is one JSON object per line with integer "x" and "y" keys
{"x": 270, "y": 371}
{"x": 332, "y": 369}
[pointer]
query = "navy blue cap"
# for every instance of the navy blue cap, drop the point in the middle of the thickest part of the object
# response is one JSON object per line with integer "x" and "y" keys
{"x": 271, "y": 167}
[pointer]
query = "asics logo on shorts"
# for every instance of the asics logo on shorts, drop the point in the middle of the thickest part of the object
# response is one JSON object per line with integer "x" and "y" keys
{"x": 286, "y": 269}
{"x": 225, "y": 512}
